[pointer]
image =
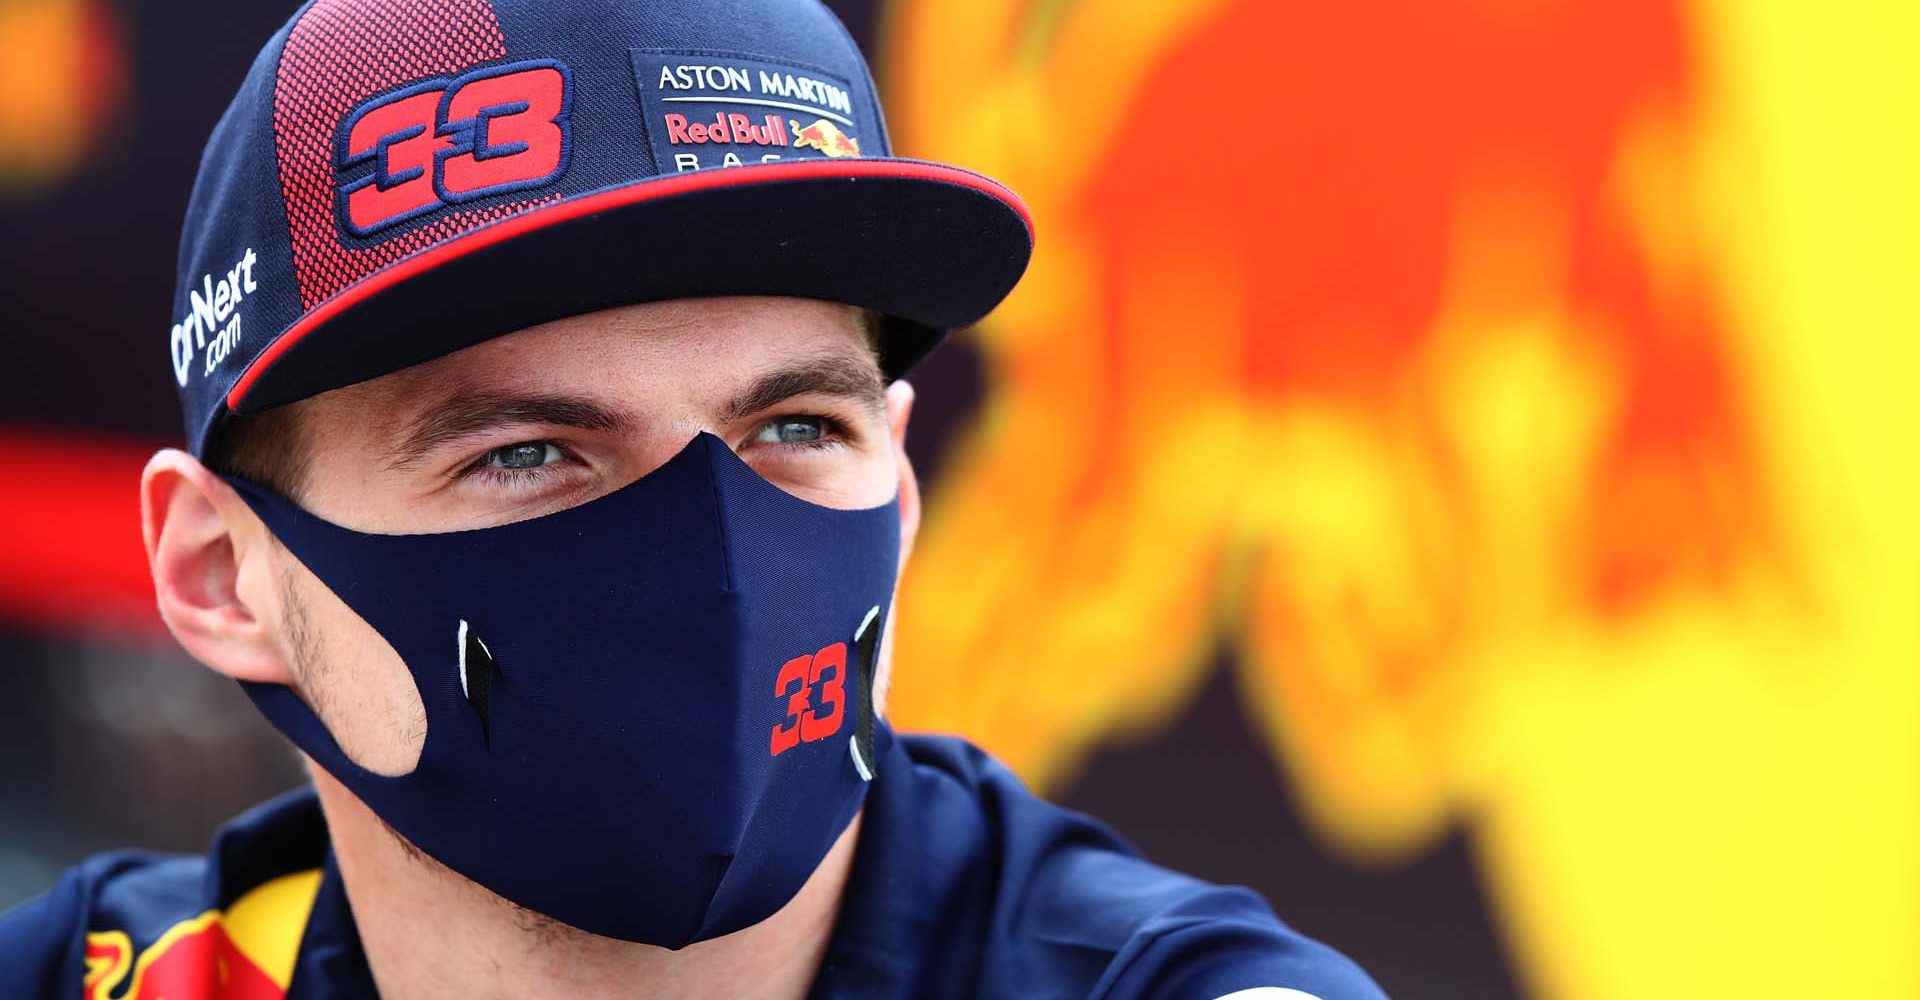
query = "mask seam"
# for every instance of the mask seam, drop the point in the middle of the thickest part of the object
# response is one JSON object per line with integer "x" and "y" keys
{"x": 719, "y": 521}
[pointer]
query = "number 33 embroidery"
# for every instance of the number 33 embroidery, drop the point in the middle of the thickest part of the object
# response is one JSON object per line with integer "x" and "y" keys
{"x": 806, "y": 720}
{"x": 444, "y": 141}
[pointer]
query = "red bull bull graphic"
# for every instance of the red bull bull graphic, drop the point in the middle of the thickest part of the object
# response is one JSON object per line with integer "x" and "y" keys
{"x": 1472, "y": 403}
{"x": 245, "y": 952}
{"x": 194, "y": 961}
{"x": 824, "y": 136}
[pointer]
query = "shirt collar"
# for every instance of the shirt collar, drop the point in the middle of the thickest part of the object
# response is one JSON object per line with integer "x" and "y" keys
{"x": 884, "y": 931}
{"x": 890, "y": 912}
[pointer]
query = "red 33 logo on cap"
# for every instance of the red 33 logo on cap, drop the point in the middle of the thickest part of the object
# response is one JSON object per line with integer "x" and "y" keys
{"x": 449, "y": 140}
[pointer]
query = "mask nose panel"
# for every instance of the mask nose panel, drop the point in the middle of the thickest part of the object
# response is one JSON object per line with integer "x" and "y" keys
{"x": 807, "y": 576}
{"x": 603, "y": 689}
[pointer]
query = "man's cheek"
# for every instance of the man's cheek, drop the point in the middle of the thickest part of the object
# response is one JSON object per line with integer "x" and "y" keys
{"x": 356, "y": 683}
{"x": 843, "y": 478}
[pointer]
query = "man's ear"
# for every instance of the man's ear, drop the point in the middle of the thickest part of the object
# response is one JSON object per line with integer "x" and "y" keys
{"x": 899, "y": 409}
{"x": 212, "y": 569}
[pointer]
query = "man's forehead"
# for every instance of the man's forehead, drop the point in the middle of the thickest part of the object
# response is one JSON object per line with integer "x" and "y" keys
{"x": 627, "y": 356}
{"x": 618, "y": 374}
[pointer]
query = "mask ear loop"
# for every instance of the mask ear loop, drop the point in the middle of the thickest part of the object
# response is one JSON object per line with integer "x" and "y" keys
{"x": 866, "y": 644}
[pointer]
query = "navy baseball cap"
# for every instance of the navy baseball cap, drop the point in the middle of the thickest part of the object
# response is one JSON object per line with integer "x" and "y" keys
{"x": 399, "y": 179}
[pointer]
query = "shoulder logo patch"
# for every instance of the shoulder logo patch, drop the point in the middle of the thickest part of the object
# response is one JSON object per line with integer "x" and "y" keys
{"x": 244, "y": 953}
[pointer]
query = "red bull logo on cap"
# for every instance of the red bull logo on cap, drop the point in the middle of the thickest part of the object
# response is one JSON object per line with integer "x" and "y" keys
{"x": 718, "y": 111}
{"x": 824, "y": 136}
{"x": 728, "y": 128}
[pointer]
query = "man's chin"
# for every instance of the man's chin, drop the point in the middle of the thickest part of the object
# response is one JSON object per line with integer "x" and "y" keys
{"x": 390, "y": 856}
{"x": 363, "y": 841}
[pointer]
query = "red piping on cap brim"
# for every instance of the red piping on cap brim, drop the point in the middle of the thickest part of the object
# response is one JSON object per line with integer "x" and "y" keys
{"x": 642, "y": 191}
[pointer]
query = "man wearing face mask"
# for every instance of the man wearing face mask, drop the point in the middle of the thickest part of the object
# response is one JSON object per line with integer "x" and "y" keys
{"x": 545, "y": 485}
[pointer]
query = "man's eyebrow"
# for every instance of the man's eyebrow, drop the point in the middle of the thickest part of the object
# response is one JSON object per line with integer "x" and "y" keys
{"x": 846, "y": 376}
{"x": 458, "y": 416}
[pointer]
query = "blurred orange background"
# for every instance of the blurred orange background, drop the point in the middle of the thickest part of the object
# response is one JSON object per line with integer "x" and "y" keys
{"x": 1521, "y": 389}
{"x": 1509, "y": 396}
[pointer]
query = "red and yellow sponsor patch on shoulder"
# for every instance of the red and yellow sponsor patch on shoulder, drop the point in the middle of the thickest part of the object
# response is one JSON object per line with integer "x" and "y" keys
{"x": 245, "y": 952}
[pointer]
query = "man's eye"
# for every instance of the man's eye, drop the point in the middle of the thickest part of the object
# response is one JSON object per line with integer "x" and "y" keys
{"x": 792, "y": 430}
{"x": 526, "y": 455}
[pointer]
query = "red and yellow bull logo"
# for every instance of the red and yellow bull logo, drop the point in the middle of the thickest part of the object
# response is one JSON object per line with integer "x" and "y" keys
{"x": 826, "y": 137}
{"x": 1503, "y": 403}
{"x": 194, "y": 961}
{"x": 245, "y": 952}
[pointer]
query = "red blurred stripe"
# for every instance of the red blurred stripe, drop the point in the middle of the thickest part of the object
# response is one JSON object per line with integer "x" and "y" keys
{"x": 70, "y": 549}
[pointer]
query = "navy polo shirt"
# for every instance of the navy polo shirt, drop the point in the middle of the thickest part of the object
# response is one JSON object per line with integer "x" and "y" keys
{"x": 965, "y": 887}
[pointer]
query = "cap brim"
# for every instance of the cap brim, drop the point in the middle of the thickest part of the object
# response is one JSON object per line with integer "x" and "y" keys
{"x": 929, "y": 246}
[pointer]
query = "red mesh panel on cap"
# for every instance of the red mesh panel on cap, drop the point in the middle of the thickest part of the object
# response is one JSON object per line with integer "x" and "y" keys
{"x": 341, "y": 53}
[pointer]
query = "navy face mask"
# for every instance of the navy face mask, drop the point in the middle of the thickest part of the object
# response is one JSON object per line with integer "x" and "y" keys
{"x": 648, "y": 716}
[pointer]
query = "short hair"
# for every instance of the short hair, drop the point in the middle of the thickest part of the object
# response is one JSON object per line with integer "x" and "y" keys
{"x": 270, "y": 447}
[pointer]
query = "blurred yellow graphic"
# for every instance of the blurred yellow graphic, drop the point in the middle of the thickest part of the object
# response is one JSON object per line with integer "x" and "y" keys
{"x": 1520, "y": 388}
{"x": 62, "y": 73}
